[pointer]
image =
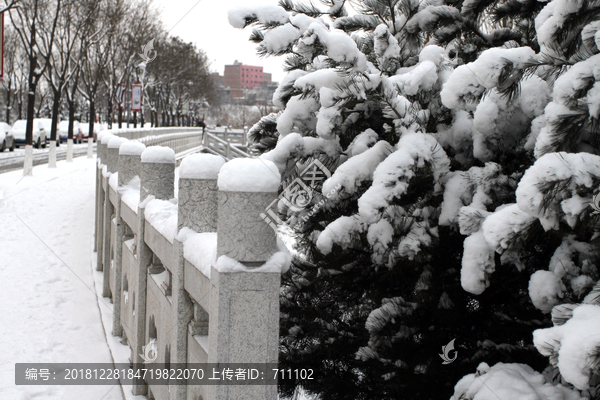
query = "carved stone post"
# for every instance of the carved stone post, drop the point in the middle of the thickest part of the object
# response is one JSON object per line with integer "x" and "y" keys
{"x": 113, "y": 153}
{"x": 102, "y": 148}
{"x": 129, "y": 165}
{"x": 244, "y": 305}
{"x": 198, "y": 192}
{"x": 157, "y": 179}
{"x": 158, "y": 173}
{"x": 130, "y": 161}
{"x": 197, "y": 210}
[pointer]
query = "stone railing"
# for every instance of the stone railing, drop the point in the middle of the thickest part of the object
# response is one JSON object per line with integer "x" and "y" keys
{"x": 136, "y": 133}
{"x": 191, "y": 266}
{"x": 179, "y": 142}
{"x": 224, "y": 147}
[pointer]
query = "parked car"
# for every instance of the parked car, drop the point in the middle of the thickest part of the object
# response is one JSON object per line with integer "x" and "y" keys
{"x": 6, "y": 137}
{"x": 39, "y": 133}
{"x": 47, "y": 123}
{"x": 85, "y": 126}
{"x": 63, "y": 130}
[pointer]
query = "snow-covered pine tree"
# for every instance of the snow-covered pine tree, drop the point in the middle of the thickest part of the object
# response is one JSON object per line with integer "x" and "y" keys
{"x": 557, "y": 199}
{"x": 427, "y": 114}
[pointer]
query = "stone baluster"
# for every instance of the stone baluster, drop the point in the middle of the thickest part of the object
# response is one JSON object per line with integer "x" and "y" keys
{"x": 244, "y": 305}
{"x": 158, "y": 173}
{"x": 129, "y": 166}
{"x": 157, "y": 179}
{"x": 197, "y": 210}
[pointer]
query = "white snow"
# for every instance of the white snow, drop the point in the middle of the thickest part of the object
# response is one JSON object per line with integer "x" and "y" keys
{"x": 552, "y": 168}
{"x": 573, "y": 342}
{"x": 264, "y": 13}
{"x": 249, "y": 175}
{"x": 509, "y": 381}
{"x": 545, "y": 290}
{"x": 477, "y": 264}
{"x": 201, "y": 166}
{"x": 158, "y": 154}
{"x": 130, "y": 193}
{"x": 362, "y": 142}
{"x": 200, "y": 249}
{"x": 500, "y": 227}
{"x": 106, "y": 138}
{"x": 339, "y": 46}
{"x": 341, "y": 232}
{"x": 50, "y": 306}
{"x": 356, "y": 170}
{"x": 162, "y": 215}
{"x": 280, "y": 38}
{"x": 116, "y": 142}
{"x": 278, "y": 263}
{"x": 132, "y": 148}
{"x": 391, "y": 177}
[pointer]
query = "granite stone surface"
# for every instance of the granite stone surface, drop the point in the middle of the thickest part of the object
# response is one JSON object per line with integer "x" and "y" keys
{"x": 241, "y": 232}
{"x": 112, "y": 164}
{"x": 129, "y": 167}
{"x": 158, "y": 180}
{"x": 198, "y": 205}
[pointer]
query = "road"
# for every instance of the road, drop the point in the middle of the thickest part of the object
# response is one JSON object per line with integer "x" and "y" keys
{"x": 10, "y": 161}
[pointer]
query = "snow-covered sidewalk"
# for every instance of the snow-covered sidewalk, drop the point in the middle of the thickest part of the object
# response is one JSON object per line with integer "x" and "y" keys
{"x": 48, "y": 306}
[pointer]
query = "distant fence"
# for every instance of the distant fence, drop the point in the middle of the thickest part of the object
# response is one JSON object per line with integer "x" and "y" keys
{"x": 229, "y": 143}
{"x": 187, "y": 276}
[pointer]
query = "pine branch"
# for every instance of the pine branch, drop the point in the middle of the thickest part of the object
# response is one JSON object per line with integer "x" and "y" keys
{"x": 474, "y": 9}
{"x": 302, "y": 8}
{"x": 355, "y": 23}
{"x": 256, "y": 36}
{"x": 293, "y": 62}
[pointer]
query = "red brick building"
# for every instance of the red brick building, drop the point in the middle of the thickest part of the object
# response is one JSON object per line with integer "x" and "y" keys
{"x": 239, "y": 76}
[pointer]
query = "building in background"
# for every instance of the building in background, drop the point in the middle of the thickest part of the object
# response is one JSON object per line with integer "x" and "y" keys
{"x": 247, "y": 84}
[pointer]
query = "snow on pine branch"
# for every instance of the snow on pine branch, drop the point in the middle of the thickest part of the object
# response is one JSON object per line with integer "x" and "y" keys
{"x": 392, "y": 176}
{"x": 241, "y": 17}
{"x": 550, "y": 189}
{"x": 509, "y": 381}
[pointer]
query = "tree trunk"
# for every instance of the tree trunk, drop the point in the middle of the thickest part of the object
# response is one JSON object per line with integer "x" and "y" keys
{"x": 55, "y": 110}
{"x": 120, "y": 117}
{"x": 109, "y": 114}
{"x": 8, "y": 102}
{"x": 70, "y": 136}
{"x": 92, "y": 120}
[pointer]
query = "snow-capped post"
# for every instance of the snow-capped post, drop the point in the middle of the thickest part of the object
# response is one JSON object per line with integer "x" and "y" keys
{"x": 103, "y": 146}
{"x": 112, "y": 158}
{"x": 129, "y": 165}
{"x": 244, "y": 303}
{"x": 158, "y": 173}
{"x": 197, "y": 199}
{"x": 110, "y": 209}
{"x": 130, "y": 161}
{"x": 157, "y": 179}
{"x": 246, "y": 188}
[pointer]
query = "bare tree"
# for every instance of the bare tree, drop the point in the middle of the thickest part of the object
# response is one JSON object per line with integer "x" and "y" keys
{"x": 35, "y": 22}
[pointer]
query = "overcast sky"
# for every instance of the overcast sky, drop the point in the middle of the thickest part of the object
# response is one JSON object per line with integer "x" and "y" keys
{"x": 206, "y": 25}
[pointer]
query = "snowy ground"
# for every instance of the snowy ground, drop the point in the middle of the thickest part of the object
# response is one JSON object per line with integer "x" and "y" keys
{"x": 49, "y": 307}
